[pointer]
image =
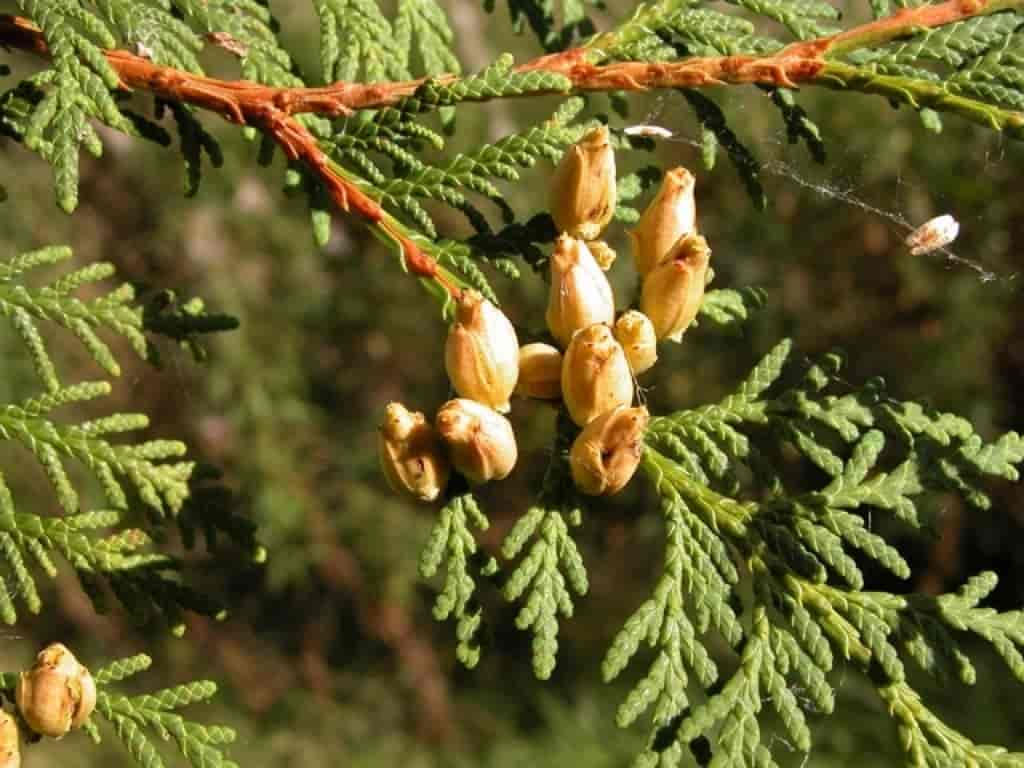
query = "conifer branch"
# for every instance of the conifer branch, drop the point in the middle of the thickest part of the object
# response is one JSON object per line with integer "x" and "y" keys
{"x": 277, "y": 105}
{"x": 805, "y": 62}
{"x": 250, "y": 103}
{"x": 269, "y": 108}
{"x": 452, "y": 543}
{"x": 808, "y": 602}
{"x": 146, "y": 475}
{"x": 551, "y": 569}
{"x": 761, "y": 563}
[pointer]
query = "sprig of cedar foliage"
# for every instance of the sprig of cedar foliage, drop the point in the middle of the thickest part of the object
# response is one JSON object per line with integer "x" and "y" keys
{"x": 550, "y": 575}
{"x": 452, "y": 543}
{"x": 107, "y": 552}
{"x": 804, "y": 546}
{"x": 150, "y": 475}
{"x": 770, "y": 568}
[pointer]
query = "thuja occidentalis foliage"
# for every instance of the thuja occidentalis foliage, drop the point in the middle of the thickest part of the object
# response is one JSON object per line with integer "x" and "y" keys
{"x": 103, "y": 541}
{"x": 761, "y": 594}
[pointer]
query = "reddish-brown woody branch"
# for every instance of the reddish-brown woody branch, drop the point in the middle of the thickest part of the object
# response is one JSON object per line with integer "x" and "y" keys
{"x": 239, "y": 101}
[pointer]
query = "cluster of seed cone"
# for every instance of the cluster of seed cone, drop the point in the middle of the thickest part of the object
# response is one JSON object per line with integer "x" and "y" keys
{"x": 593, "y": 368}
{"x": 56, "y": 695}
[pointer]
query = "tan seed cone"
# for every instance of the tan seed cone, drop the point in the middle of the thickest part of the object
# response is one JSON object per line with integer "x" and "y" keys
{"x": 583, "y": 186}
{"x": 481, "y": 354}
{"x": 595, "y": 374}
{"x": 671, "y": 214}
{"x": 10, "y": 748}
{"x": 411, "y": 456}
{"x": 540, "y": 372}
{"x": 673, "y": 291}
{"x": 56, "y": 694}
{"x": 480, "y": 441}
{"x": 580, "y": 294}
{"x": 635, "y": 332}
{"x": 607, "y": 452}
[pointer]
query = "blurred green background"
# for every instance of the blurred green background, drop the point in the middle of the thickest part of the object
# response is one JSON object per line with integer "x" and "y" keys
{"x": 330, "y": 655}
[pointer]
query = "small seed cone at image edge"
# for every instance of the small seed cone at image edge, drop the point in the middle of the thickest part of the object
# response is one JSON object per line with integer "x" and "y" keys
{"x": 595, "y": 375}
{"x": 480, "y": 440}
{"x": 481, "y": 354}
{"x": 411, "y": 455}
{"x": 673, "y": 291}
{"x": 580, "y": 294}
{"x": 583, "y": 186}
{"x": 670, "y": 215}
{"x": 56, "y": 694}
{"x": 607, "y": 452}
{"x": 10, "y": 749}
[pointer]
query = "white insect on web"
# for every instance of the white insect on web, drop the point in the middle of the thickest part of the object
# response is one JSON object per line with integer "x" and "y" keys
{"x": 933, "y": 236}
{"x": 648, "y": 131}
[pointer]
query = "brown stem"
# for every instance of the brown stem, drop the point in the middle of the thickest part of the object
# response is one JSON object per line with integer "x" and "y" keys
{"x": 246, "y": 102}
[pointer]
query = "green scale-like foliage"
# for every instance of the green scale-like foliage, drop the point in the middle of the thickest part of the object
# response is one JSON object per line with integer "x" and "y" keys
{"x": 357, "y": 39}
{"x": 393, "y": 137}
{"x": 108, "y": 553}
{"x": 970, "y": 67}
{"x": 412, "y": 180}
{"x": 768, "y": 566}
{"x": 981, "y": 58}
{"x": 159, "y": 483}
{"x": 76, "y": 88}
{"x": 805, "y": 549}
{"x": 452, "y": 542}
{"x": 551, "y": 571}
{"x": 152, "y": 475}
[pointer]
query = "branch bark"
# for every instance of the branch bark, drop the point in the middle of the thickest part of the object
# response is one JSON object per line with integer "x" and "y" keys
{"x": 246, "y": 102}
